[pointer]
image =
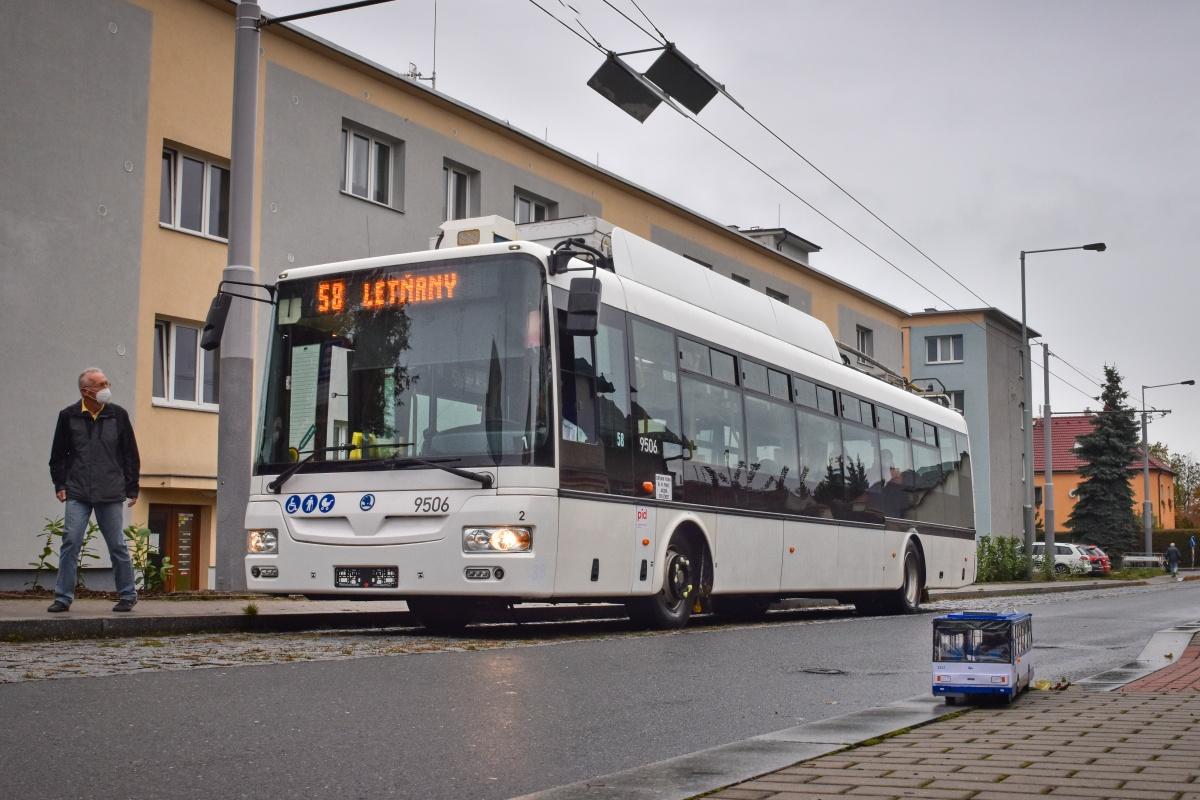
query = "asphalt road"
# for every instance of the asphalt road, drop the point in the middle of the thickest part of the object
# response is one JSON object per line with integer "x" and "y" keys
{"x": 580, "y": 701}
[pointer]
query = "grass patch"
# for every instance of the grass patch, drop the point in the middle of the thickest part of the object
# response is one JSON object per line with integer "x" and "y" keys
{"x": 250, "y": 609}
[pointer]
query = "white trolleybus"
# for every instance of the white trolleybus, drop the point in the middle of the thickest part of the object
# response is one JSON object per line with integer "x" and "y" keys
{"x": 507, "y": 422}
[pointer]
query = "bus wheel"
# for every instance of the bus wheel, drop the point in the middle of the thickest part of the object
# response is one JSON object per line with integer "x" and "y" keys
{"x": 742, "y": 608}
{"x": 904, "y": 600}
{"x": 671, "y": 607}
{"x": 442, "y": 615}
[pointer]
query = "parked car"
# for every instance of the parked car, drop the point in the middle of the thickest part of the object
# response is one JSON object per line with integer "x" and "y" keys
{"x": 1068, "y": 558}
{"x": 1101, "y": 563}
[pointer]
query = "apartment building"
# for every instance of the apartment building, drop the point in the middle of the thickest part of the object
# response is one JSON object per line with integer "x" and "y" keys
{"x": 971, "y": 359}
{"x": 114, "y": 190}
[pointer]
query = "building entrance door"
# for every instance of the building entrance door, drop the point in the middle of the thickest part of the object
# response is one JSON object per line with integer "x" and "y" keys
{"x": 177, "y": 529}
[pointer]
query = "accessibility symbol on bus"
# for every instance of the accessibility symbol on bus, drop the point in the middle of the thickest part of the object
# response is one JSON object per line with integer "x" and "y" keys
{"x": 326, "y": 504}
{"x": 310, "y": 503}
{"x": 293, "y": 504}
{"x": 366, "y": 502}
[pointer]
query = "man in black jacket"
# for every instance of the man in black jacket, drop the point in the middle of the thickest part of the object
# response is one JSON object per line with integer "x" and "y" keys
{"x": 95, "y": 467}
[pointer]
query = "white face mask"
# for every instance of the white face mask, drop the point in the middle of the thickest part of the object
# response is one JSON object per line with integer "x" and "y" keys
{"x": 104, "y": 396}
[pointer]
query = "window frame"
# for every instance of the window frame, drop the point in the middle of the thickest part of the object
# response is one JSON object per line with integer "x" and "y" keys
{"x": 864, "y": 336}
{"x": 167, "y": 365}
{"x": 549, "y": 208}
{"x": 778, "y": 296}
{"x": 450, "y": 193}
{"x": 374, "y": 142}
{"x": 940, "y": 355}
{"x": 175, "y": 183}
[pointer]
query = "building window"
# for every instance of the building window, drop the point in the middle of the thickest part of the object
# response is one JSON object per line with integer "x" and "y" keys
{"x": 958, "y": 400}
{"x": 194, "y": 194}
{"x": 704, "y": 264}
{"x": 774, "y": 295}
{"x": 457, "y": 191}
{"x": 368, "y": 166}
{"x": 531, "y": 208}
{"x": 739, "y": 279}
{"x": 184, "y": 375}
{"x": 943, "y": 349}
{"x": 864, "y": 340}
{"x": 1037, "y": 495}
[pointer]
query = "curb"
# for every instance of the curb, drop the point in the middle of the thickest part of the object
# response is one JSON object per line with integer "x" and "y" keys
{"x": 163, "y": 625}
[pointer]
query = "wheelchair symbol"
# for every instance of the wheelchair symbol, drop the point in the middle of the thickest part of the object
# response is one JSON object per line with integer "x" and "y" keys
{"x": 293, "y": 504}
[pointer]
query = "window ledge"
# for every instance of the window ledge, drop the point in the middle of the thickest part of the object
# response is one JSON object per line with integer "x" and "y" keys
{"x": 375, "y": 203}
{"x": 190, "y": 232}
{"x": 209, "y": 408}
{"x": 939, "y": 363}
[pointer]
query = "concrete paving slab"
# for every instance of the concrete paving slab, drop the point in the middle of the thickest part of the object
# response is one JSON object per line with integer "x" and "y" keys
{"x": 706, "y": 770}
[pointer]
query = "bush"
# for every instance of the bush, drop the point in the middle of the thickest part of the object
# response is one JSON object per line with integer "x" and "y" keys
{"x": 998, "y": 558}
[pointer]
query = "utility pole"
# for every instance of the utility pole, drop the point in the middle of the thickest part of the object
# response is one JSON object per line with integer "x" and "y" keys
{"x": 1048, "y": 460}
{"x": 235, "y": 424}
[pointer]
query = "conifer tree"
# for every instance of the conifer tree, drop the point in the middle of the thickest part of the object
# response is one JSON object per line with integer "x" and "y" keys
{"x": 1103, "y": 513}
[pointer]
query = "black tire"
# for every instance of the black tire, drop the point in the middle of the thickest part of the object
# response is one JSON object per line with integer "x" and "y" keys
{"x": 1061, "y": 569}
{"x": 442, "y": 615}
{"x": 742, "y": 608}
{"x": 951, "y": 700}
{"x": 906, "y": 599}
{"x": 672, "y": 607}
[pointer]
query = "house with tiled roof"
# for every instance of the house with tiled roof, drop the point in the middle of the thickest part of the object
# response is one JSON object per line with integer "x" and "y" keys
{"x": 1065, "y": 432}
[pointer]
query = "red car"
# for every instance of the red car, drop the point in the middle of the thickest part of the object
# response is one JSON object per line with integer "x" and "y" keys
{"x": 1101, "y": 564}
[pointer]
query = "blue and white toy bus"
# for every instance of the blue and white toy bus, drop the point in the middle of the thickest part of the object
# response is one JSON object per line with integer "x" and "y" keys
{"x": 979, "y": 654}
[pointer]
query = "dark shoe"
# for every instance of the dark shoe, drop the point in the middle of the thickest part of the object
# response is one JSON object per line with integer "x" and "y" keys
{"x": 125, "y": 605}
{"x": 57, "y": 606}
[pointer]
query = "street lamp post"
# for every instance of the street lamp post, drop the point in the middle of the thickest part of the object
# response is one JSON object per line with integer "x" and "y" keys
{"x": 1147, "y": 516}
{"x": 1026, "y": 365}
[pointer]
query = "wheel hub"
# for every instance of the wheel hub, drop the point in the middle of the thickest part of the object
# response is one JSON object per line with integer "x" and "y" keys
{"x": 679, "y": 572}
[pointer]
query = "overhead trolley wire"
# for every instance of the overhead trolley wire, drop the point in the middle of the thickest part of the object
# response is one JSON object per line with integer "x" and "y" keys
{"x": 767, "y": 174}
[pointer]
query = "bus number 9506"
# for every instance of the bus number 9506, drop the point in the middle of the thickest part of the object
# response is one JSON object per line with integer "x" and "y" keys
{"x": 432, "y": 505}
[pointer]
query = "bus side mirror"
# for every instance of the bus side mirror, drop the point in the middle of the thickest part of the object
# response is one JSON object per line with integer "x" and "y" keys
{"x": 214, "y": 321}
{"x": 583, "y": 307}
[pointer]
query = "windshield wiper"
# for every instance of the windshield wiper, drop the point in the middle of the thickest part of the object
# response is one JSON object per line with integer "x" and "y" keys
{"x": 483, "y": 478}
{"x": 276, "y": 485}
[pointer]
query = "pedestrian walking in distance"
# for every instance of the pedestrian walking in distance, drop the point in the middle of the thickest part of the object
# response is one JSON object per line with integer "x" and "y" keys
{"x": 1173, "y": 557}
{"x": 95, "y": 466}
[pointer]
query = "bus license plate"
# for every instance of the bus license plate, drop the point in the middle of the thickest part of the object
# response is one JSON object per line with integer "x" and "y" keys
{"x": 366, "y": 577}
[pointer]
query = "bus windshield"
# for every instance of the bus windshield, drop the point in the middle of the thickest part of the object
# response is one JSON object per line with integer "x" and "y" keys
{"x": 444, "y": 359}
{"x": 979, "y": 641}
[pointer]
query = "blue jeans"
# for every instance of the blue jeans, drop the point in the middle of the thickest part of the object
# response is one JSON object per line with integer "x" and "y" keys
{"x": 109, "y": 518}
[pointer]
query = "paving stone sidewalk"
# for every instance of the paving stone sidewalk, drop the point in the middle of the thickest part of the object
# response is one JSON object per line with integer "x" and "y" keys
{"x": 1140, "y": 743}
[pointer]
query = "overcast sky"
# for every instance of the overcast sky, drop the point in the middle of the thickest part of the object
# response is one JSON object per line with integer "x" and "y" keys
{"x": 975, "y": 129}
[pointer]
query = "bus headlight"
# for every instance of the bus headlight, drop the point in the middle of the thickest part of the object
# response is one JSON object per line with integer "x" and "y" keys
{"x": 497, "y": 540}
{"x": 261, "y": 541}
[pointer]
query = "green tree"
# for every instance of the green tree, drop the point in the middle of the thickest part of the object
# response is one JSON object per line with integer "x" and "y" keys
{"x": 1104, "y": 506}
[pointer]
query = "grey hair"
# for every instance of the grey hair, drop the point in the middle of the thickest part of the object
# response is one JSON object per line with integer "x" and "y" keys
{"x": 88, "y": 371}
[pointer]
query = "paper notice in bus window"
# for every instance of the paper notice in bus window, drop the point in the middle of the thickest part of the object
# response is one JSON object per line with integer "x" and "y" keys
{"x": 662, "y": 487}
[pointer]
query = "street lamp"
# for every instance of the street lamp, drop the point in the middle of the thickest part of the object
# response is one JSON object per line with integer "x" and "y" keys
{"x": 1026, "y": 365}
{"x": 1147, "y": 518}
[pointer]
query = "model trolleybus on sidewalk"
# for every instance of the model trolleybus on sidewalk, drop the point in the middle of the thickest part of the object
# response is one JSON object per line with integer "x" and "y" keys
{"x": 505, "y": 422}
{"x": 979, "y": 654}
